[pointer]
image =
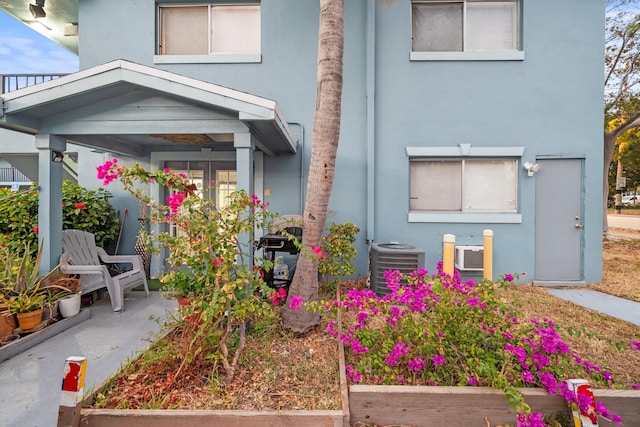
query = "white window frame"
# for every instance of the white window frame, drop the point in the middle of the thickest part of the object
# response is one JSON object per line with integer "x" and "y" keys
{"x": 515, "y": 54}
{"x": 461, "y": 153}
{"x": 211, "y": 56}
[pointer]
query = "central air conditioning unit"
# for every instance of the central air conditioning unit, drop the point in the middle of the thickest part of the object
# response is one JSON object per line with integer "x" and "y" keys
{"x": 469, "y": 258}
{"x": 392, "y": 256}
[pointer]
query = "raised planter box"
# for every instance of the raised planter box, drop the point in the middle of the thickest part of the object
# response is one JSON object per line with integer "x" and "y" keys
{"x": 172, "y": 418}
{"x": 380, "y": 405}
{"x": 467, "y": 406}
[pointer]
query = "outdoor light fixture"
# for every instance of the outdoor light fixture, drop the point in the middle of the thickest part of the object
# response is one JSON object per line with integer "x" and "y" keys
{"x": 57, "y": 156}
{"x": 531, "y": 169}
{"x": 37, "y": 9}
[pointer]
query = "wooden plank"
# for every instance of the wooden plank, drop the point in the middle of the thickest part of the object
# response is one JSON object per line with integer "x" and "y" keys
{"x": 466, "y": 406}
{"x": 173, "y": 418}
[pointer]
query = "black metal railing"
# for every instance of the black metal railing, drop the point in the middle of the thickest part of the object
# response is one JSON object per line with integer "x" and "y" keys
{"x": 11, "y": 82}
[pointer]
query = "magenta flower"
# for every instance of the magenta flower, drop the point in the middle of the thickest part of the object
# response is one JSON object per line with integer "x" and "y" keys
{"x": 472, "y": 381}
{"x": 527, "y": 376}
{"x": 295, "y": 302}
{"x": 438, "y": 360}
{"x": 473, "y": 302}
{"x": 635, "y": 345}
{"x": 416, "y": 364}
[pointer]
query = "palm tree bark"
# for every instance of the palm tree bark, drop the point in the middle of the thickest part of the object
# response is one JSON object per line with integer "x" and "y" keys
{"x": 326, "y": 133}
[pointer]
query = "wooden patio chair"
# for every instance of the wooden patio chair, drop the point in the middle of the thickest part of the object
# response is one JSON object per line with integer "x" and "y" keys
{"x": 81, "y": 256}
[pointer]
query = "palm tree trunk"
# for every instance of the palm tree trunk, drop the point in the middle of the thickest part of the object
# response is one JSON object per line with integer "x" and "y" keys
{"x": 326, "y": 133}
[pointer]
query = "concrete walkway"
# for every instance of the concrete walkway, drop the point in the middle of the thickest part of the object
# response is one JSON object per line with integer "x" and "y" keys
{"x": 30, "y": 381}
{"x": 613, "y": 306}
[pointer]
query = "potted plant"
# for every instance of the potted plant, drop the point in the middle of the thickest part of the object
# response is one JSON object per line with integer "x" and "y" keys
{"x": 180, "y": 285}
{"x": 63, "y": 294}
{"x": 7, "y": 320}
{"x": 28, "y": 308}
{"x": 21, "y": 289}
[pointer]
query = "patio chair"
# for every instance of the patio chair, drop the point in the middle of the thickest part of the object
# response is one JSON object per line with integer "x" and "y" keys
{"x": 81, "y": 256}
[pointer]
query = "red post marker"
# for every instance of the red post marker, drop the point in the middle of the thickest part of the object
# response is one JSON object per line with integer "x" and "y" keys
{"x": 584, "y": 409}
{"x": 72, "y": 390}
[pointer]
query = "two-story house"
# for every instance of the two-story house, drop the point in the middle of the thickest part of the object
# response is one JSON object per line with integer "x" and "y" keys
{"x": 459, "y": 116}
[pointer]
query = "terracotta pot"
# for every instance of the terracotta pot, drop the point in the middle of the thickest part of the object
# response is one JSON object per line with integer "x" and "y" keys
{"x": 29, "y": 320}
{"x": 7, "y": 324}
{"x": 69, "y": 306}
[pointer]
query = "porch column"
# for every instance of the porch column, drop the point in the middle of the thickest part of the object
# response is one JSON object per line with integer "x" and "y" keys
{"x": 244, "y": 145}
{"x": 49, "y": 199}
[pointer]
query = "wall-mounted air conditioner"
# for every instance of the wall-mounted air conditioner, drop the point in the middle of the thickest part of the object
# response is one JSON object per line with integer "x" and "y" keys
{"x": 469, "y": 258}
{"x": 392, "y": 256}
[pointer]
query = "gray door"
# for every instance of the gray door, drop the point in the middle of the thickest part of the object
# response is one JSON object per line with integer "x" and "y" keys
{"x": 558, "y": 221}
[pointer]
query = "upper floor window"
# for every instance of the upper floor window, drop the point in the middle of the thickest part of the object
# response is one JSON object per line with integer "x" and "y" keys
{"x": 227, "y": 29}
{"x": 465, "y": 25}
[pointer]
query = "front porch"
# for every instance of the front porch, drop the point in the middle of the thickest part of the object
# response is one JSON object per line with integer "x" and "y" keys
{"x": 143, "y": 114}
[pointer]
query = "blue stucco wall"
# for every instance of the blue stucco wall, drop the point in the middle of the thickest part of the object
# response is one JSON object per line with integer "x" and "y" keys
{"x": 550, "y": 103}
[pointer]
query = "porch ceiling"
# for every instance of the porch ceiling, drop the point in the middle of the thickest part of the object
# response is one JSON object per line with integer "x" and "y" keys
{"x": 127, "y": 108}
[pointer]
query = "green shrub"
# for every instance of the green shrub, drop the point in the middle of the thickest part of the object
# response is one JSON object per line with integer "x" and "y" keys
{"x": 82, "y": 209}
{"x": 338, "y": 253}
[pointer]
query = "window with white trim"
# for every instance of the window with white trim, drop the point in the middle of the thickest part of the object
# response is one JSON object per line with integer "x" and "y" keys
{"x": 465, "y": 25}
{"x": 209, "y": 29}
{"x": 463, "y": 185}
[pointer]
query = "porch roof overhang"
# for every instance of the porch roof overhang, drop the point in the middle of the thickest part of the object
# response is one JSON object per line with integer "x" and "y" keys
{"x": 132, "y": 109}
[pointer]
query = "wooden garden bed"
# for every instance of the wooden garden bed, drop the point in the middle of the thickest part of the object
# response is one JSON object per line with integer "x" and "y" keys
{"x": 414, "y": 406}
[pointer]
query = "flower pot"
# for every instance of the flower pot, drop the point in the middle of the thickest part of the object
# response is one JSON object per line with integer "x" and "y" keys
{"x": 29, "y": 320}
{"x": 7, "y": 324}
{"x": 50, "y": 311}
{"x": 184, "y": 301}
{"x": 69, "y": 306}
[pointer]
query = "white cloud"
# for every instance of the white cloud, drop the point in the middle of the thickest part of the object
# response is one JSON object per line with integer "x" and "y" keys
{"x": 24, "y": 55}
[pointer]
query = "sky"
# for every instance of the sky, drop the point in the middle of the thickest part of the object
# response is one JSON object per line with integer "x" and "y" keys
{"x": 24, "y": 51}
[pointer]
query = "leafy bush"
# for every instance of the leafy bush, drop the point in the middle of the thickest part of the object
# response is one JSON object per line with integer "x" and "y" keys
{"x": 210, "y": 245}
{"x": 82, "y": 209}
{"x": 338, "y": 253}
{"x": 438, "y": 330}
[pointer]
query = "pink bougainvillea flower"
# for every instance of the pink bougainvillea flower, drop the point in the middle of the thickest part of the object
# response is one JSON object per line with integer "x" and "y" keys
{"x": 278, "y": 296}
{"x": 316, "y": 250}
{"x": 295, "y": 302}
{"x": 108, "y": 171}
{"x": 438, "y": 360}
